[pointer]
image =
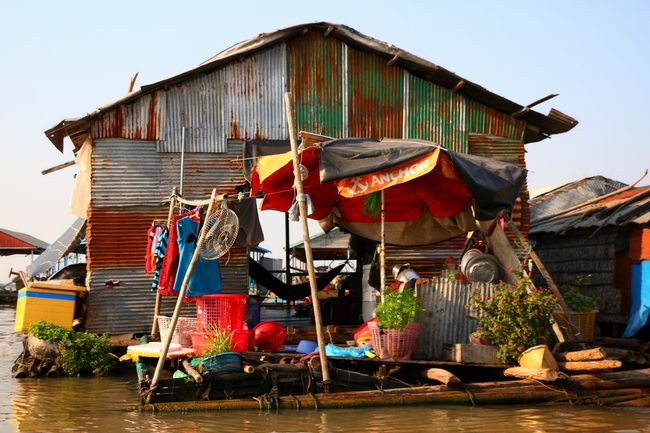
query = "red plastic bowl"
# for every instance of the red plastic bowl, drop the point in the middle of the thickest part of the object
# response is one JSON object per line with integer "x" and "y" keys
{"x": 268, "y": 336}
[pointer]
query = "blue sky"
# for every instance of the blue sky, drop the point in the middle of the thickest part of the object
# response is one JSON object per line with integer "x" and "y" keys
{"x": 62, "y": 59}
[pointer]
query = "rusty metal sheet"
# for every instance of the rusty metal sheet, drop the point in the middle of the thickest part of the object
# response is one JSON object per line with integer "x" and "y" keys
{"x": 125, "y": 173}
{"x": 254, "y": 96}
{"x": 118, "y": 237}
{"x": 196, "y": 105}
{"x": 509, "y": 150}
{"x": 128, "y": 306}
{"x": 375, "y": 96}
{"x": 142, "y": 119}
{"x": 202, "y": 172}
{"x": 315, "y": 71}
{"x": 436, "y": 114}
{"x": 443, "y": 319}
{"x": 486, "y": 120}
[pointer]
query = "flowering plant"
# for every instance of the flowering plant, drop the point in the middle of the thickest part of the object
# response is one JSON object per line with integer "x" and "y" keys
{"x": 515, "y": 318}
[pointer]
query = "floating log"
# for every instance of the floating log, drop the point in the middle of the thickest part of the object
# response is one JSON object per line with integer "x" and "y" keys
{"x": 441, "y": 375}
{"x": 191, "y": 371}
{"x": 591, "y": 365}
{"x": 617, "y": 352}
{"x": 625, "y": 343}
{"x": 516, "y": 392}
{"x": 544, "y": 374}
{"x": 596, "y": 354}
{"x": 637, "y": 402}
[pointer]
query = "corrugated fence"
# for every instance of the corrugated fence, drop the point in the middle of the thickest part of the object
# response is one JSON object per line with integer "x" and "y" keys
{"x": 443, "y": 319}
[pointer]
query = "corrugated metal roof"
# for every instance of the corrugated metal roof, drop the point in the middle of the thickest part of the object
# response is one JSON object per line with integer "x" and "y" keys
{"x": 540, "y": 125}
{"x": 571, "y": 194}
{"x": 628, "y": 207}
{"x": 59, "y": 248}
{"x": 16, "y": 243}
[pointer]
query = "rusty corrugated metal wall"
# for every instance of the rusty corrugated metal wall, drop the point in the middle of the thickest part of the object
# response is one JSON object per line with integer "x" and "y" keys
{"x": 315, "y": 67}
{"x": 443, "y": 317}
{"x": 375, "y": 96}
{"x": 141, "y": 120}
{"x": 130, "y": 181}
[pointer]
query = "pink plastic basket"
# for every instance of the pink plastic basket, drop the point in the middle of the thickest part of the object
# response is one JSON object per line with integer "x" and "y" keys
{"x": 226, "y": 312}
{"x": 393, "y": 343}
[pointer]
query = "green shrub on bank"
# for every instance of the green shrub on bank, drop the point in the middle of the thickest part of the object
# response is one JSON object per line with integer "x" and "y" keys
{"x": 81, "y": 353}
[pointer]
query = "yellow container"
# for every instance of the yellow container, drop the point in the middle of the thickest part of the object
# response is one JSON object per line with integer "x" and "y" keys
{"x": 46, "y": 301}
{"x": 538, "y": 357}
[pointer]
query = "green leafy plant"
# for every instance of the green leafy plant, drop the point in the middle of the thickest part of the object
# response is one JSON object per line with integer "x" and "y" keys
{"x": 81, "y": 353}
{"x": 398, "y": 309}
{"x": 577, "y": 301}
{"x": 218, "y": 341}
{"x": 515, "y": 318}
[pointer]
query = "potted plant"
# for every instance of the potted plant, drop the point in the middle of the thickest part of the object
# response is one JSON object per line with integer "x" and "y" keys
{"x": 514, "y": 318}
{"x": 394, "y": 332}
{"x": 583, "y": 308}
{"x": 216, "y": 352}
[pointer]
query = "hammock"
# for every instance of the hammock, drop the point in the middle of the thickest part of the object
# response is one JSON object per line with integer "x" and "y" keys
{"x": 285, "y": 291}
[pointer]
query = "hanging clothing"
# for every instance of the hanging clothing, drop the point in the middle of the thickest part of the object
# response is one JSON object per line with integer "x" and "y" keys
{"x": 250, "y": 232}
{"x": 148, "y": 256}
{"x": 205, "y": 278}
{"x": 170, "y": 262}
{"x": 159, "y": 254}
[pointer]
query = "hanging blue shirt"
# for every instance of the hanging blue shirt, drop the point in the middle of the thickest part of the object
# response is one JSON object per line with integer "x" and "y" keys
{"x": 205, "y": 279}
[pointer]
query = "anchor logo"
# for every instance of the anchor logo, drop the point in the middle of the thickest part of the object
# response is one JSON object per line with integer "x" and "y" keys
{"x": 358, "y": 187}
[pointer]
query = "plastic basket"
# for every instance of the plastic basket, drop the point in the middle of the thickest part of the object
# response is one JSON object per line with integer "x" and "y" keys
{"x": 585, "y": 322}
{"x": 393, "y": 343}
{"x": 181, "y": 335}
{"x": 199, "y": 338}
{"x": 226, "y": 312}
{"x": 228, "y": 362}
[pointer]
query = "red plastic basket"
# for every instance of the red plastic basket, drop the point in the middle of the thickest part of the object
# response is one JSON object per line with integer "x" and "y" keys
{"x": 393, "y": 343}
{"x": 226, "y": 312}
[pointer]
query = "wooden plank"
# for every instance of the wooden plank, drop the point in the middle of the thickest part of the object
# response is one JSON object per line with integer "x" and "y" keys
{"x": 596, "y": 354}
{"x": 605, "y": 364}
{"x": 474, "y": 354}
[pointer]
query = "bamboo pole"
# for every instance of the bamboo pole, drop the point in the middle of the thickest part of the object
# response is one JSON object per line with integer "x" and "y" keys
{"x": 156, "y": 308}
{"x": 382, "y": 250}
{"x": 288, "y": 103}
{"x": 181, "y": 295}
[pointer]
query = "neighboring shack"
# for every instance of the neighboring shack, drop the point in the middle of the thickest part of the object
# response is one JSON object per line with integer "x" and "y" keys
{"x": 587, "y": 228}
{"x": 344, "y": 84}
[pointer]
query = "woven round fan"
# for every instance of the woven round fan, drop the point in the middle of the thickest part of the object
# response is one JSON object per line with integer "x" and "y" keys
{"x": 221, "y": 232}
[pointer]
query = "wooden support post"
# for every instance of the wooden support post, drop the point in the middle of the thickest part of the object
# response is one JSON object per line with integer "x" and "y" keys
{"x": 302, "y": 205}
{"x": 181, "y": 295}
{"x": 156, "y": 308}
{"x": 547, "y": 277}
{"x": 382, "y": 250}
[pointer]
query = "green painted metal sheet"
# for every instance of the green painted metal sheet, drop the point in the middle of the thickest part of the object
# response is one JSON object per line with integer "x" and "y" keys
{"x": 376, "y": 96}
{"x": 315, "y": 79}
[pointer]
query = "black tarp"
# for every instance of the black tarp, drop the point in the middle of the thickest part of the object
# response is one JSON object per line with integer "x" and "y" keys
{"x": 493, "y": 184}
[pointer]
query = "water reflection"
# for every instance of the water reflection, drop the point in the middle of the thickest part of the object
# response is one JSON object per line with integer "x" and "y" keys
{"x": 106, "y": 404}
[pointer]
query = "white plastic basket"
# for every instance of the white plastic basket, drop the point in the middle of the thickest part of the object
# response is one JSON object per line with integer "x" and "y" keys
{"x": 182, "y": 332}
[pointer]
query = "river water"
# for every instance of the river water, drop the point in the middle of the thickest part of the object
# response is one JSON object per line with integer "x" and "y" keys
{"x": 107, "y": 405}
